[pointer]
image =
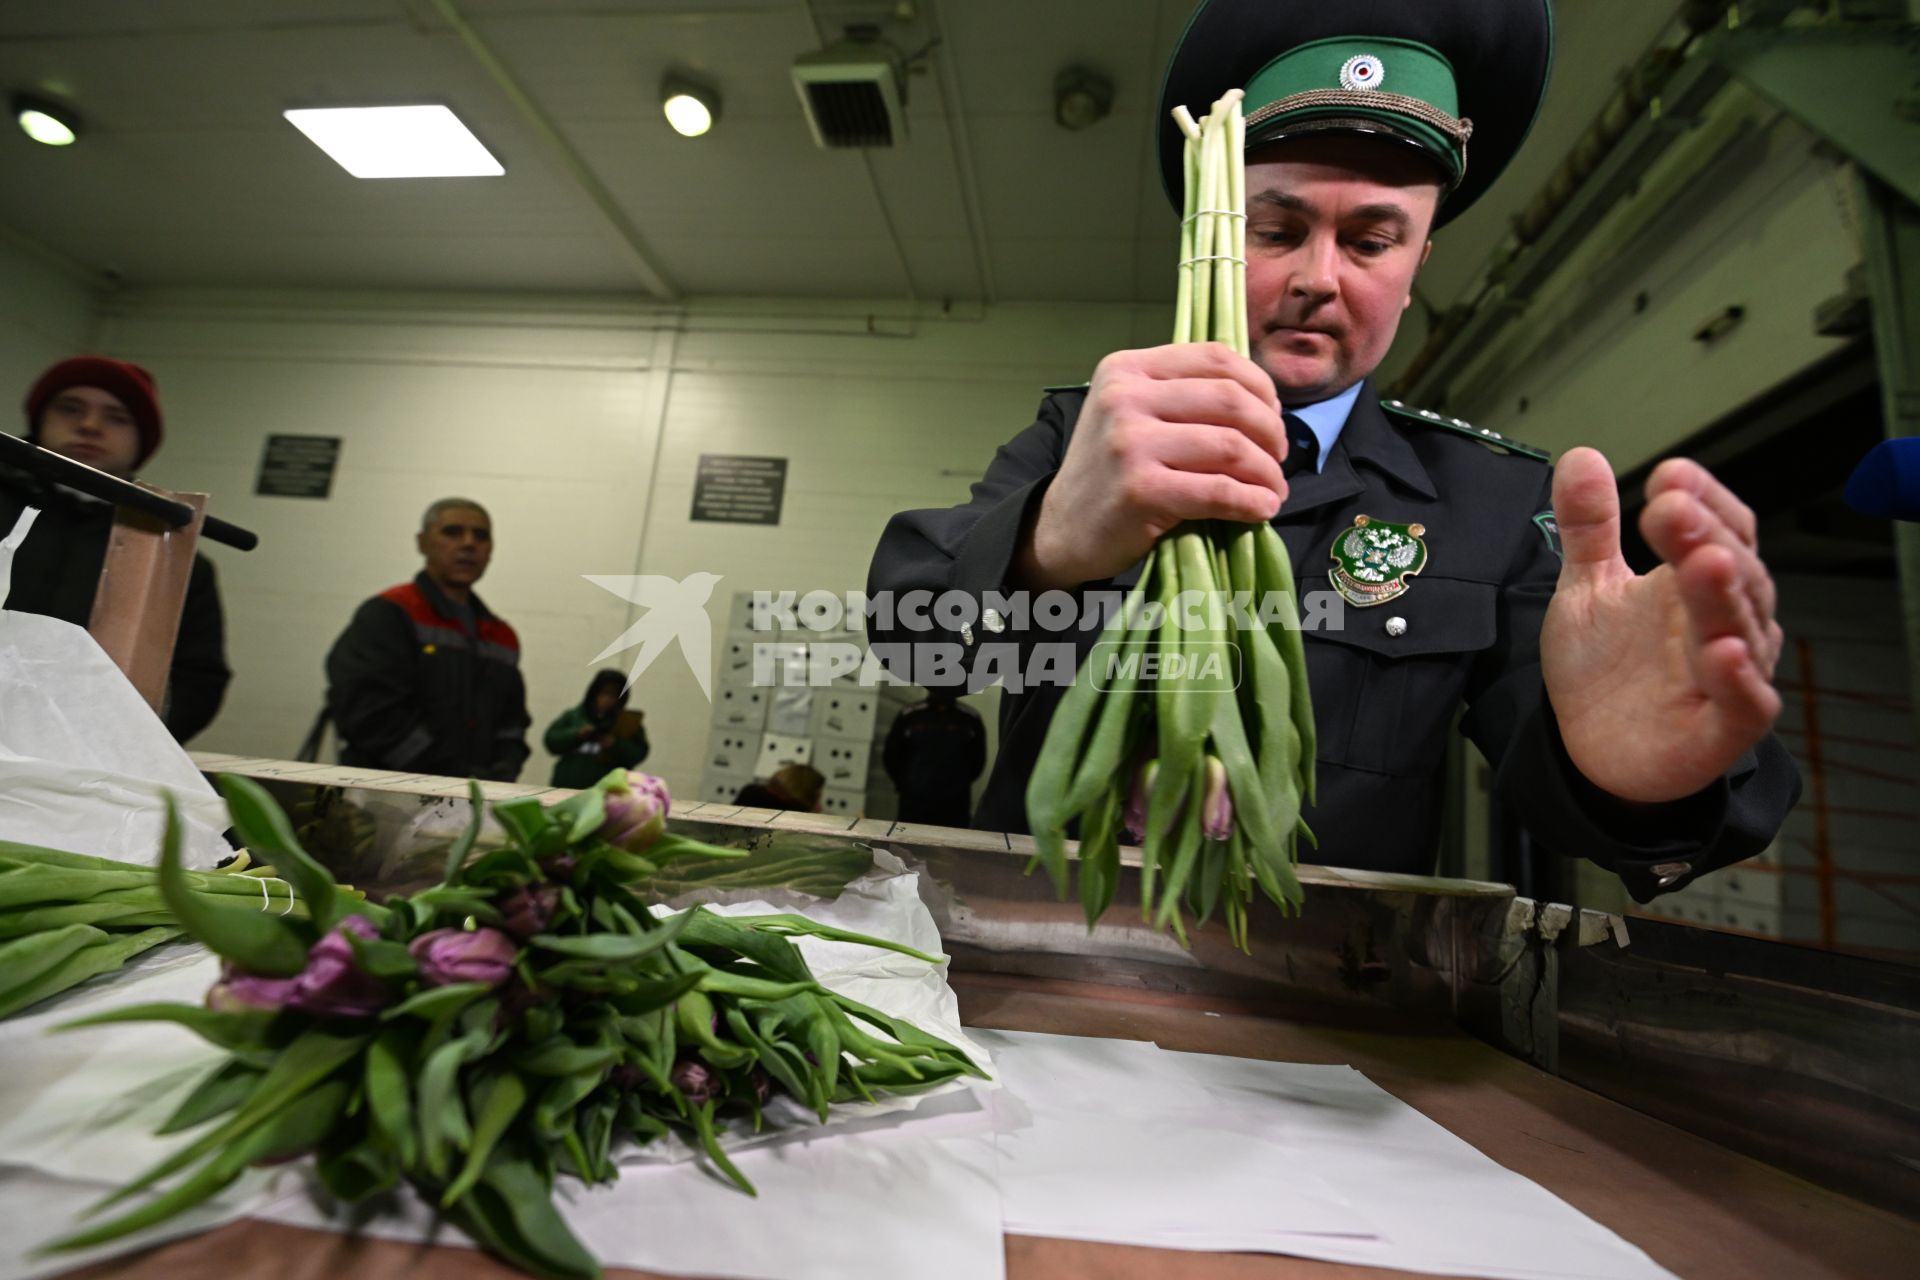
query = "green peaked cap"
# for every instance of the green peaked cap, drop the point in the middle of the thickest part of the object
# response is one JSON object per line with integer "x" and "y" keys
{"x": 1398, "y": 88}
{"x": 1462, "y": 80}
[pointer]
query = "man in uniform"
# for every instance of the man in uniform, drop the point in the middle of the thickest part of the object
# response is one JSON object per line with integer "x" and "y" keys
{"x": 106, "y": 413}
{"x": 934, "y": 751}
{"x": 426, "y": 678}
{"x": 1627, "y": 716}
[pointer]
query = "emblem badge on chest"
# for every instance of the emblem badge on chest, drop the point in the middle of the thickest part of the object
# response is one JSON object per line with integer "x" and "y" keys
{"x": 1373, "y": 560}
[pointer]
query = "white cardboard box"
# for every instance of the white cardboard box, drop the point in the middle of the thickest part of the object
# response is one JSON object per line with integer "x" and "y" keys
{"x": 721, "y": 788}
{"x": 790, "y": 712}
{"x": 844, "y": 713}
{"x": 841, "y": 801}
{"x": 744, "y": 708}
{"x": 843, "y": 761}
{"x": 781, "y": 749}
{"x": 733, "y": 752}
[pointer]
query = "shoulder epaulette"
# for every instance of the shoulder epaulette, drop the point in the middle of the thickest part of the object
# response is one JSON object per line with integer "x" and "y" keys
{"x": 1485, "y": 435}
{"x": 1074, "y": 386}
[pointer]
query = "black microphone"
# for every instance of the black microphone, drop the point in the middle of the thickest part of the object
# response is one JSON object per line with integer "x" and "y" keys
{"x": 1887, "y": 481}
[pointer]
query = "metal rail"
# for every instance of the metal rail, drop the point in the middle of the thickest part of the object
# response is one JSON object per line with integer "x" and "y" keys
{"x": 121, "y": 493}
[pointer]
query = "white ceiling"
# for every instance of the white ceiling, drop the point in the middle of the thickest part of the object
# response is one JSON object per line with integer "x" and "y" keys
{"x": 188, "y": 175}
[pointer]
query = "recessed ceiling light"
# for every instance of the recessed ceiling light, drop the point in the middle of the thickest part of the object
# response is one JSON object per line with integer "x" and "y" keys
{"x": 45, "y": 122}
{"x": 690, "y": 108}
{"x": 397, "y": 142}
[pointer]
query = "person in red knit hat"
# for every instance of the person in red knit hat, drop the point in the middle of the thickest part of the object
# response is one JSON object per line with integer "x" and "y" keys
{"x": 105, "y": 413}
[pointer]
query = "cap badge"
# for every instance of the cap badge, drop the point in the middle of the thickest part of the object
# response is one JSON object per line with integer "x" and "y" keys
{"x": 1362, "y": 71}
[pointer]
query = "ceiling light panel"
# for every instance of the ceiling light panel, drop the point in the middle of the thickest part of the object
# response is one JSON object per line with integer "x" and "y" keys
{"x": 397, "y": 142}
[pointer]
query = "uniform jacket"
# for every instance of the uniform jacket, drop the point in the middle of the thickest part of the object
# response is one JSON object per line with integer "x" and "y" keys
{"x": 1383, "y": 704}
{"x": 933, "y": 754}
{"x": 57, "y": 569}
{"x": 581, "y": 764}
{"x": 410, "y": 687}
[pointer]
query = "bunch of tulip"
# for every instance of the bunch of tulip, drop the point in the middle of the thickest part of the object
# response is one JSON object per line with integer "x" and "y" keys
{"x": 66, "y": 917}
{"x": 509, "y": 1025}
{"x": 1191, "y": 728}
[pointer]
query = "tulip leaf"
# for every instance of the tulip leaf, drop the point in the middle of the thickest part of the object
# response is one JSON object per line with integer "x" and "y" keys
{"x": 670, "y": 847}
{"x": 457, "y": 855}
{"x": 562, "y": 1057}
{"x": 511, "y": 1210}
{"x": 263, "y": 828}
{"x": 298, "y": 1127}
{"x": 100, "y": 952}
{"x": 905, "y": 1032}
{"x": 358, "y": 1171}
{"x": 554, "y": 1111}
{"x": 382, "y": 958}
{"x": 589, "y": 814}
{"x": 615, "y": 946}
{"x": 443, "y": 1116}
{"x": 727, "y": 982}
{"x": 524, "y": 821}
{"x": 229, "y": 1085}
{"x": 436, "y": 1003}
{"x": 644, "y": 997}
{"x": 389, "y": 1091}
{"x": 236, "y": 1030}
{"x": 498, "y": 1105}
{"x": 596, "y": 1135}
{"x": 703, "y": 1125}
{"x": 254, "y": 941}
{"x": 295, "y": 1072}
{"x": 456, "y": 900}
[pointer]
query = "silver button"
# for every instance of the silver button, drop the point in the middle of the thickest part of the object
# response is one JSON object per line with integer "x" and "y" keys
{"x": 1396, "y": 626}
{"x": 993, "y": 622}
{"x": 966, "y": 634}
{"x": 1669, "y": 872}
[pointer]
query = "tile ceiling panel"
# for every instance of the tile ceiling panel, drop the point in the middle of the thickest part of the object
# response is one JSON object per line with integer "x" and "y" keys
{"x": 187, "y": 174}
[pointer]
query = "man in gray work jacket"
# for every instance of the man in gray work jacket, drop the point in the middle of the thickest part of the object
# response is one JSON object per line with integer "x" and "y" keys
{"x": 1627, "y": 716}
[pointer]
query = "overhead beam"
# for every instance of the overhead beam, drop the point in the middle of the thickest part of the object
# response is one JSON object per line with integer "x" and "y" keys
{"x": 1854, "y": 85}
{"x": 632, "y": 245}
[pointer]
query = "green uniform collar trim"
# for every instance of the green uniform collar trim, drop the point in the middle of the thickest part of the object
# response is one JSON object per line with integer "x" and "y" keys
{"x": 1402, "y": 87}
{"x": 1485, "y": 435}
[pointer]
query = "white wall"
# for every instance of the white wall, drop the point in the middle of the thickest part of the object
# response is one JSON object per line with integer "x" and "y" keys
{"x": 553, "y": 416}
{"x": 47, "y": 315}
{"x": 1743, "y": 212}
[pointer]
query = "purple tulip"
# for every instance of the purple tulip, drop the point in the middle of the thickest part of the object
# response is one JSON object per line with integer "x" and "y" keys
{"x": 636, "y": 812}
{"x": 1216, "y": 810}
{"x": 529, "y": 909}
{"x": 626, "y": 1077}
{"x": 695, "y": 1081}
{"x": 1136, "y": 815}
{"x": 447, "y": 956}
{"x": 762, "y": 1085}
{"x": 331, "y": 986}
{"x": 238, "y": 992}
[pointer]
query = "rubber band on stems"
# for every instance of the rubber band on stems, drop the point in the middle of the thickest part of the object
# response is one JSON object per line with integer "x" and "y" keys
{"x": 266, "y": 899}
{"x": 1213, "y": 257}
{"x": 1223, "y": 213}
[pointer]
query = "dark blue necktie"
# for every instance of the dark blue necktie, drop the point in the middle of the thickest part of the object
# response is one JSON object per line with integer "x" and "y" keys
{"x": 1303, "y": 447}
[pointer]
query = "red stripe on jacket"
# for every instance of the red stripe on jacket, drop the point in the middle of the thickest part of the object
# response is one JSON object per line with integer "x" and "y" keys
{"x": 410, "y": 598}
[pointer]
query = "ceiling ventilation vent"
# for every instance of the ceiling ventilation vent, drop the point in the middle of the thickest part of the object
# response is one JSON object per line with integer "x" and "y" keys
{"x": 853, "y": 93}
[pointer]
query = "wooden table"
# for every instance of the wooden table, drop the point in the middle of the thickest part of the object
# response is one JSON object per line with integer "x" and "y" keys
{"x": 1702, "y": 1211}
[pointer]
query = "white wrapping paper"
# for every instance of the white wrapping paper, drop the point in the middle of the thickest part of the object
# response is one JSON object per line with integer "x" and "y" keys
{"x": 83, "y": 758}
{"x": 77, "y": 1111}
{"x": 1216, "y": 1153}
